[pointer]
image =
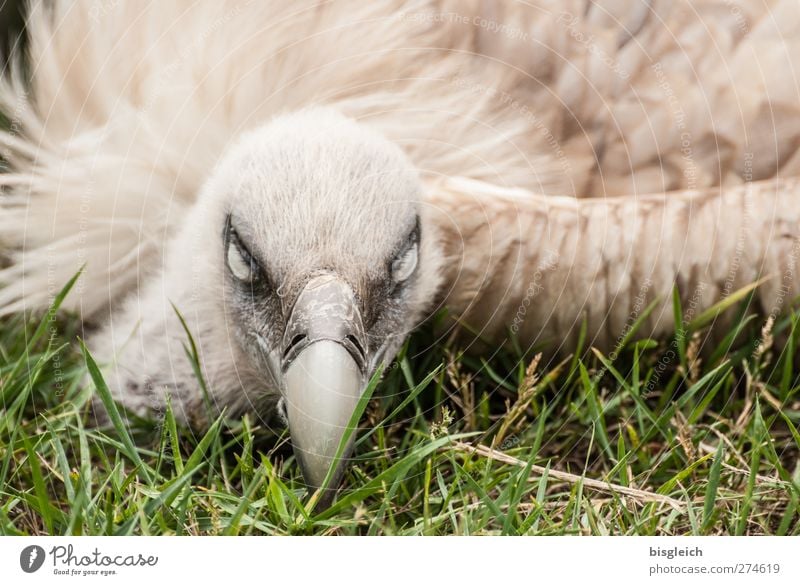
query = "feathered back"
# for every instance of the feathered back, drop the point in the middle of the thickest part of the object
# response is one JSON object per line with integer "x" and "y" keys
{"x": 130, "y": 104}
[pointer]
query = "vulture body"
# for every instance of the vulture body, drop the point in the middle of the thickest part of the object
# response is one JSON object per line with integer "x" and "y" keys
{"x": 526, "y": 165}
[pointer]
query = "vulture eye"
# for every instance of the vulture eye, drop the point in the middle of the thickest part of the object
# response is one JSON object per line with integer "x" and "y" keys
{"x": 403, "y": 266}
{"x": 240, "y": 262}
{"x": 240, "y": 267}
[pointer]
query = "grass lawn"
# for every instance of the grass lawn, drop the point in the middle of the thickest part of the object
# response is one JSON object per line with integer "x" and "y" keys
{"x": 670, "y": 437}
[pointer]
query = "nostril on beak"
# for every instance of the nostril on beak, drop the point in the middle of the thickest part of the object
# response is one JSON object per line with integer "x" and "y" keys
{"x": 352, "y": 339}
{"x": 296, "y": 340}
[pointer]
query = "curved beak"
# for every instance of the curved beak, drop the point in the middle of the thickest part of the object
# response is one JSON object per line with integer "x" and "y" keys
{"x": 324, "y": 373}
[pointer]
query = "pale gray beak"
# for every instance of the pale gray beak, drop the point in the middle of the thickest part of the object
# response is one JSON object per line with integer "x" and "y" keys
{"x": 324, "y": 372}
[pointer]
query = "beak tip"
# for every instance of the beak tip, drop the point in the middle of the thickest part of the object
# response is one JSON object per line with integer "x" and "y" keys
{"x": 315, "y": 470}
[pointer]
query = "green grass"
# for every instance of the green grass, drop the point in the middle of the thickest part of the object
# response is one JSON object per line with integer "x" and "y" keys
{"x": 671, "y": 436}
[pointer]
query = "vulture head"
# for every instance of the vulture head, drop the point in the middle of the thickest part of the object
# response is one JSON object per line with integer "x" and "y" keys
{"x": 324, "y": 261}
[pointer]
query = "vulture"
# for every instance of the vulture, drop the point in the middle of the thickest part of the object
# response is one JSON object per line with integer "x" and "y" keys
{"x": 298, "y": 185}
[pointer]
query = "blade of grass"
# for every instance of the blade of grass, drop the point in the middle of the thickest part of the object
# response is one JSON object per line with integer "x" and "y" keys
{"x": 113, "y": 413}
{"x": 712, "y": 488}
